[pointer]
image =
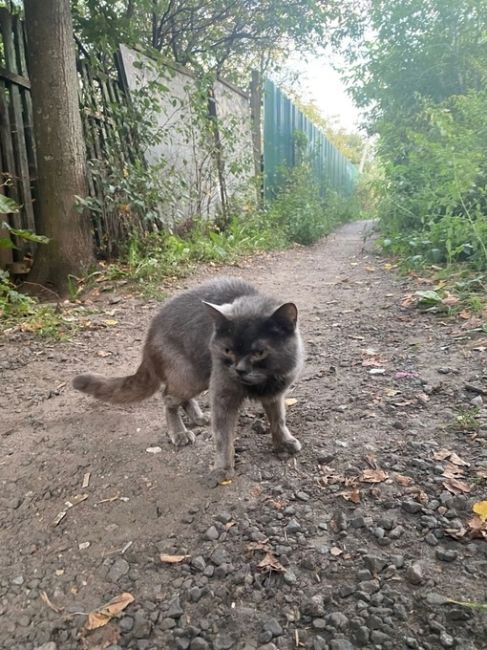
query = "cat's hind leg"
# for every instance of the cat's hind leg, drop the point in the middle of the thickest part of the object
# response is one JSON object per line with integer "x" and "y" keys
{"x": 195, "y": 414}
{"x": 281, "y": 437}
{"x": 176, "y": 430}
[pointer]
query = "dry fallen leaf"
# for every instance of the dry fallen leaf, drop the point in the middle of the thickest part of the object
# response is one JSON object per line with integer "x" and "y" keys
{"x": 335, "y": 551}
{"x": 456, "y": 460}
{"x": 452, "y": 471}
{"x": 101, "y": 639}
{"x": 374, "y": 476}
{"x": 477, "y": 527}
{"x": 442, "y": 454}
{"x": 450, "y": 299}
{"x": 351, "y": 495}
{"x": 480, "y": 509}
{"x": 455, "y": 486}
{"x": 46, "y": 600}
{"x": 456, "y": 533}
{"x": 403, "y": 480}
{"x": 256, "y": 491}
{"x": 371, "y": 461}
{"x": 105, "y": 613}
{"x": 173, "y": 559}
{"x": 258, "y": 546}
{"x": 464, "y": 314}
{"x": 270, "y": 563}
{"x": 291, "y": 401}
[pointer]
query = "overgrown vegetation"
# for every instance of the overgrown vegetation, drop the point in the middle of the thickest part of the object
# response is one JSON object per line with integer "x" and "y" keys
{"x": 419, "y": 69}
{"x": 299, "y": 215}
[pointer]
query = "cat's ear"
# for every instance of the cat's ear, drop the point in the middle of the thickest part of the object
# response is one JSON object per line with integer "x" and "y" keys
{"x": 286, "y": 316}
{"x": 217, "y": 312}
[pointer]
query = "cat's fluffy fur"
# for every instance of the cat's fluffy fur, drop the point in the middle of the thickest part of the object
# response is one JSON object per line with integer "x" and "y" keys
{"x": 224, "y": 335}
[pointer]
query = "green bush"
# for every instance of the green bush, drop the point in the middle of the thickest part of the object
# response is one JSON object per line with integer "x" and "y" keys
{"x": 302, "y": 214}
{"x": 434, "y": 202}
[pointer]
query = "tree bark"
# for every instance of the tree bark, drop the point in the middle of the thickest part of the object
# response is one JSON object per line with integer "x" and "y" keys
{"x": 60, "y": 145}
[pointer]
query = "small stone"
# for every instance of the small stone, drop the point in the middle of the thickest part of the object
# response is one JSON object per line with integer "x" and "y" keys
{"x": 446, "y": 640}
{"x": 199, "y": 644}
{"x": 293, "y": 526}
{"x": 396, "y": 532}
{"x": 313, "y": 607}
{"x": 379, "y": 532}
{"x": 219, "y": 556}
{"x": 174, "y": 610}
{"x": 337, "y": 619}
{"x": 142, "y": 625}
{"x": 341, "y": 644}
{"x": 126, "y": 623}
{"x": 375, "y": 564}
{"x": 431, "y": 539}
{"x": 411, "y": 506}
{"x": 224, "y": 517}
{"x": 50, "y": 645}
{"x": 182, "y": 643}
{"x": 167, "y": 623}
{"x": 18, "y": 580}
{"x": 319, "y": 623}
{"x": 369, "y": 586}
{"x": 223, "y": 642}
{"x": 267, "y": 646}
{"x": 415, "y": 574}
{"x": 302, "y": 496}
{"x": 195, "y": 594}
{"x": 198, "y": 563}
{"x": 14, "y": 503}
{"x": 212, "y": 534}
{"x": 362, "y": 635}
{"x": 290, "y": 578}
{"x": 272, "y": 626}
{"x": 378, "y": 637}
{"x": 446, "y": 555}
{"x": 398, "y": 561}
{"x": 118, "y": 569}
{"x": 346, "y": 590}
{"x": 475, "y": 401}
{"x": 435, "y": 599}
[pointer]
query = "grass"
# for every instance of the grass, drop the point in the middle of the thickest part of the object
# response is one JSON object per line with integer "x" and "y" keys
{"x": 299, "y": 215}
{"x": 466, "y": 421}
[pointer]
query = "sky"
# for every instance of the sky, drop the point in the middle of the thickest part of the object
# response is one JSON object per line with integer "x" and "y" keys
{"x": 317, "y": 80}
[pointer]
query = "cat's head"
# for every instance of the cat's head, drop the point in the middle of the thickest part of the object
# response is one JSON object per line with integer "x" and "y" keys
{"x": 255, "y": 341}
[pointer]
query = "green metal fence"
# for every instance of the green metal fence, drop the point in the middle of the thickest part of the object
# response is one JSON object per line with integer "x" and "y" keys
{"x": 290, "y": 137}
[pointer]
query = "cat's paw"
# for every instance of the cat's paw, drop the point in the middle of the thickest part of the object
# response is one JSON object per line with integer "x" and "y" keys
{"x": 220, "y": 475}
{"x": 289, "y": 445}
{"x": 201, "y": 421}
{"x": 182, "y": 438}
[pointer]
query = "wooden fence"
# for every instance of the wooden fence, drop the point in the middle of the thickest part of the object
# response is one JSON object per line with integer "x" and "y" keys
{"x": 110, "y": 143}
{"x": 17, "y": 150}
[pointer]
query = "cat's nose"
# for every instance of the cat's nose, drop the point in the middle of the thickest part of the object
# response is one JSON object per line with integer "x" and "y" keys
{"x": 241, "y": 371}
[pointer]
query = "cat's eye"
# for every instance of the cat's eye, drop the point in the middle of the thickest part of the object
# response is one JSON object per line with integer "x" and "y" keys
{"x": 227, "y": 351}
{"x": 258, "y": 355}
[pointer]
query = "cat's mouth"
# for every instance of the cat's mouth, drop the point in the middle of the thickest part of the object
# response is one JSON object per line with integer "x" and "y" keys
{"x": 250, "y": 380}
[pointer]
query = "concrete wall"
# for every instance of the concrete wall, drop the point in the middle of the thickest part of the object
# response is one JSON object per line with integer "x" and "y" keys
{"x": 185, "y": 149}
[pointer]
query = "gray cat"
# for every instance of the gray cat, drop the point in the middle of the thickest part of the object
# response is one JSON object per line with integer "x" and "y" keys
{"x": 226, "y": 335}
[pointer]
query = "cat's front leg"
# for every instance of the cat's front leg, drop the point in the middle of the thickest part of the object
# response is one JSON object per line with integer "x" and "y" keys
{"x": 226, "y": 399}
{"x": 281, "y": 437}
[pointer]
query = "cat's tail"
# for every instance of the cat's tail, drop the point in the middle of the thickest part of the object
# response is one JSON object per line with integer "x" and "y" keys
{"x": 121, "y": 390}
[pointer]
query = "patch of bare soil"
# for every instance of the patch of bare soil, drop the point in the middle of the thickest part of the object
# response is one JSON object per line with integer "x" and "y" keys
{"x": 357, "y": 542}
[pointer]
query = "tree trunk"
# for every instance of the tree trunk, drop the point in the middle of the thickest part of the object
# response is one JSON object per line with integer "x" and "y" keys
{"x": 60, "y": 145}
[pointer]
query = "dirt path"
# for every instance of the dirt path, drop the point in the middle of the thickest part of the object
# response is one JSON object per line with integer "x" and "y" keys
{"x": 360, "y": 564}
